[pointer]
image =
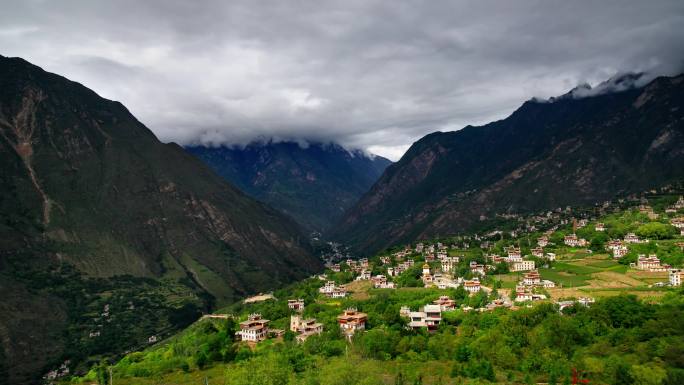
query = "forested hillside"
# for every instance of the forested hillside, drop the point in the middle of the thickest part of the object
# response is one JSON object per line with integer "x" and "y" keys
{"x": 96, "y": 212}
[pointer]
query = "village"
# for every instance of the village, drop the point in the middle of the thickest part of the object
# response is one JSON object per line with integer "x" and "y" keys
{"x": 510, "y": 268}
{"x": 431, "y": 302}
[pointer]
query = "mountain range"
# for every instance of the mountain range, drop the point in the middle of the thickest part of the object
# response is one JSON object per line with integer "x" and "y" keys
{"x": 578, "y": 149}
{"x": 108, "y": 235}
{"x": 314, "y": 183}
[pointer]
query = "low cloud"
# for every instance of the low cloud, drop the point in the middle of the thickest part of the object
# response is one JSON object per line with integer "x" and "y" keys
{"x": 375, "y": 75}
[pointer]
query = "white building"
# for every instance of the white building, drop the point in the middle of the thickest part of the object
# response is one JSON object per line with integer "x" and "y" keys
{"x": 295, "y": 304}
{"x": 514, "y": 254}
{"x": 632, "y": 238}
{"x": 255, "y": 329}
{"x": 472, "y": 286}
{"x": 522, "y": 266}
{"x": 429, "y": 318}
{"x": 532, "y": 278}
{"x": 543, "y": 241}
{"x": 364, "y": 276}
{"x": 329, "y": 287}
{"x": 676, "y": 276}
{"x": 449, "y": 264}
{"x": 650, "y": 263}
{"x": 620, "y": 251}
{"x": 680, "y": 203}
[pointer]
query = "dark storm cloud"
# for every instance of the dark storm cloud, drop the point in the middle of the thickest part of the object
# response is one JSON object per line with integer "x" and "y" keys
{"x": 374, "y": 75}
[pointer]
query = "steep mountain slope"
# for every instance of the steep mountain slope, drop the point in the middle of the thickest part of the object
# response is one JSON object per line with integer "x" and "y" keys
{"x": 568, "y": 150}
{"x": 93, "y": 206}
{"x": 314, "y": 184}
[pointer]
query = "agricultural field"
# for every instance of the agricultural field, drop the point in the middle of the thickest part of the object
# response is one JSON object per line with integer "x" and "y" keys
{"x": 593, "y": 276}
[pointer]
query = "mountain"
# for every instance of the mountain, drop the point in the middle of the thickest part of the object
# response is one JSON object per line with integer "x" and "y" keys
{"x": 108, "y": 236}
{"x": 314, "y": 184}
{"x": 570, "y": 150}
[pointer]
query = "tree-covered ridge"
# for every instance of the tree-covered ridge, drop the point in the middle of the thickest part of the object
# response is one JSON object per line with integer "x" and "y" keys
{"x": 632, "y": 334}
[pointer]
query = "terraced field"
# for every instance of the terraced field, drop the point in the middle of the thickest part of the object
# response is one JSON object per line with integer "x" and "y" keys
{"x": 593, "y": 276}
{"x": 600, "y": 276}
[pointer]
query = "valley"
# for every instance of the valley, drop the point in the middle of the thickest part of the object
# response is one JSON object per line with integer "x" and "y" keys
{"x": 341, "y": 193}
{"x": 454, "y": 311}
{"x": 314, "y": 183}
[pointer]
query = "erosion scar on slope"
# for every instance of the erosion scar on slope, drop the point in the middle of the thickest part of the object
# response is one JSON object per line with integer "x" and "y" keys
{"x": 23, "y": 129}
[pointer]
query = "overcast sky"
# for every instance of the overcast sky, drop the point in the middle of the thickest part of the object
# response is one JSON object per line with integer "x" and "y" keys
{"x": 375, "y": 75}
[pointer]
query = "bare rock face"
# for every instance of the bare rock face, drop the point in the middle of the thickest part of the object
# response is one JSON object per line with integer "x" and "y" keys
{"x": 565, "y": 151}
{"x": 82, "y": 179}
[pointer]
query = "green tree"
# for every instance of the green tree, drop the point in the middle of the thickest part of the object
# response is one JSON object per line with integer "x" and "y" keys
{"x": 102, "y": 373}
{"x": 648, "y": 375}
{"x": 656, "y": 230}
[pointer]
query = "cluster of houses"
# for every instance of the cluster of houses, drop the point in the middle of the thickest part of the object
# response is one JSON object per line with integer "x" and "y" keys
{"x": 573, "y": 240}
{"x": 619, "y": 247}
{"x": 584, "y": 301}
{"x": 256, "y": 328}
{"x": 527, "y": 293}
{"x": 514, "y": 259}
{"x": 331, "y": 290}
{"x": 526, "y": 290}
{"x": 400, "y": 267}
{"x": 679, "y": 205}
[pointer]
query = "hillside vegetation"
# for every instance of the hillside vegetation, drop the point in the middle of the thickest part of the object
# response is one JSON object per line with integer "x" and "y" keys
{"x": 631, "y": 331}
{"x": 95, "y": 210}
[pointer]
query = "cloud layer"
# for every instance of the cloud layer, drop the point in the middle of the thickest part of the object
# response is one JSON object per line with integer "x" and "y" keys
{"x": 375, "y": 75}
